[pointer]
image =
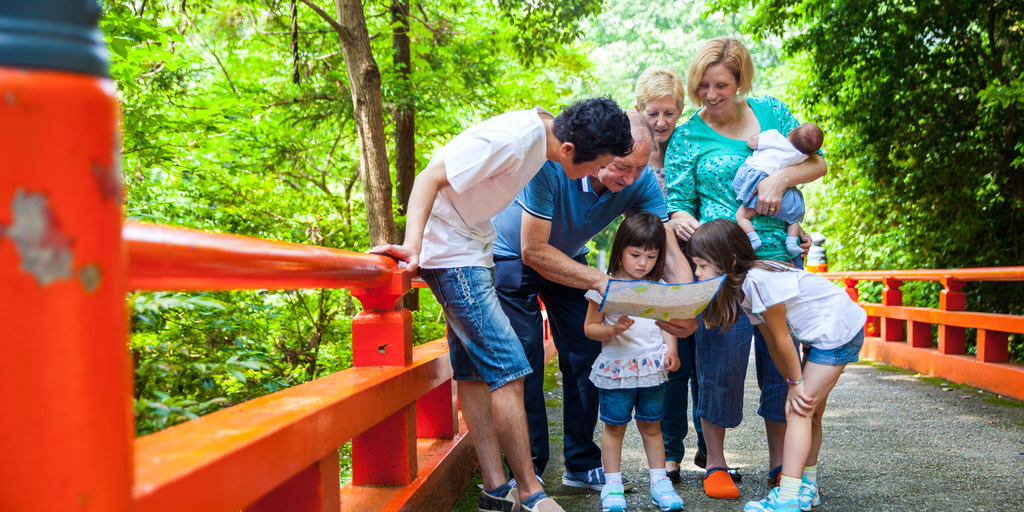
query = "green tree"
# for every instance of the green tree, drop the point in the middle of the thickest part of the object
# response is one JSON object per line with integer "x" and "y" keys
{"x": 238, "y": 117}
{"x": 921, "y": 103}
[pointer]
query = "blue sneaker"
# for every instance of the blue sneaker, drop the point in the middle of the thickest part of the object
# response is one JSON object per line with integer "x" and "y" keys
{"x": 593, "y": 479}
{"x": 772, "y": 503}
{"x": 808, "y": 495}
{"x": 613, "y": 498}
{"x": 664, "y": 496}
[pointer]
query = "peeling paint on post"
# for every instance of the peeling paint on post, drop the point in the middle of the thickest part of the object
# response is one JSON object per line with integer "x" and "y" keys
{"x": 65, "y": 371}
{"x": 91, "y": 277}
{"x": 44, "y": 250}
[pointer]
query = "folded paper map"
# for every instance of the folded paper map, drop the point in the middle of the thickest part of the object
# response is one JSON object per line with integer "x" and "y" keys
{"x": 658, "y": 301}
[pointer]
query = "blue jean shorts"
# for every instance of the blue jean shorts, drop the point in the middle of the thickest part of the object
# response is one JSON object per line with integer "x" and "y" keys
{"x": 481, "y": 342}
{"x": 848, "y": 353}
{"x": 617, "y": 404}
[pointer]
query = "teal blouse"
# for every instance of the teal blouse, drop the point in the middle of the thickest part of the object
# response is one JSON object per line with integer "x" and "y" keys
{"x": 700, "y": 165}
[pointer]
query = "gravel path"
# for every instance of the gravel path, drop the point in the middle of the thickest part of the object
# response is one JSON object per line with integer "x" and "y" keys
{"x": 893, "y": 441}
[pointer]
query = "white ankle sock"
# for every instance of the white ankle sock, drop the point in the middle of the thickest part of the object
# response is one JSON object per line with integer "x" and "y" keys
{"x": 811, "y": 474}
{"x": 789, "y": 488}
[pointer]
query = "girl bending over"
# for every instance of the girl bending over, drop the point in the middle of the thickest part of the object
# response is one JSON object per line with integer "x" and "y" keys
{"x": 788, "y": 306}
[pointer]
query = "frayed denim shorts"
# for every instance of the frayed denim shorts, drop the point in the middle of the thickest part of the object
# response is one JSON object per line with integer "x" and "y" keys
{"x": 481, "y": 343}
{"x": 617, "y": 404}
{"x": 845, "y": 354}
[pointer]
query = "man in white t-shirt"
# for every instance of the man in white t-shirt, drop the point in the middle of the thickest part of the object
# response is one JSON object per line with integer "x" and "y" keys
{"x": 449, "y": 238}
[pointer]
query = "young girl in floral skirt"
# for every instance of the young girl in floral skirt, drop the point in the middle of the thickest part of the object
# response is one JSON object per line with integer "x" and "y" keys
{"x": 630, "y": 373}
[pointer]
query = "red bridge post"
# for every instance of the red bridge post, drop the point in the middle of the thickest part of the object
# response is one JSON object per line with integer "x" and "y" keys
{"x": 382, "y": 336}
{"x": 66, "y": 431}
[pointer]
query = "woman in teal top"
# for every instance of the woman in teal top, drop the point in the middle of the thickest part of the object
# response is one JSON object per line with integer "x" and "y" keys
{"x": 700, "y": 164}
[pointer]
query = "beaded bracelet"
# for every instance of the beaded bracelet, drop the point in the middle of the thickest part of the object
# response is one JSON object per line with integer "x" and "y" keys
{"x": 794, "y": 382}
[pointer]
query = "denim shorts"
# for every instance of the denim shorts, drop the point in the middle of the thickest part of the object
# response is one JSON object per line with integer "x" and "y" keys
{"x": 617, "y": 404}
{"x": 848, "y": 353}
{"x": 481, "y": 342}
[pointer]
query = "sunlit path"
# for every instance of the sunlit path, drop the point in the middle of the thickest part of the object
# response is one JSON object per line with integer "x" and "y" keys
{"x": 893, "y": 441}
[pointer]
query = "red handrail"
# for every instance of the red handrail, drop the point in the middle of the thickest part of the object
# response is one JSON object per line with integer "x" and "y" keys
{"x": 963, "y": 274}
{"x": 280, "y": 452}
{"x": 902, "y": 335}
{"x": 173, "y": 258}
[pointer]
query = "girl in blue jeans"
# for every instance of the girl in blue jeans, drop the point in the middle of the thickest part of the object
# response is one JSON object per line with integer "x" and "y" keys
{"x": 786, "y": 304}
{"x": 630, "y": 373}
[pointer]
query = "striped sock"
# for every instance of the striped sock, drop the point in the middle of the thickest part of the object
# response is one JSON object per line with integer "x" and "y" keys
{"x": 811, "y": 474}
{"x": 789, "y": 488}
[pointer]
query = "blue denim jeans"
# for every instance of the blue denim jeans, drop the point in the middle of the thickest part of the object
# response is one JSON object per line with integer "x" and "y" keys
{"x": 481, "y": 342}
{"x": 519, "y": 287}
{"x": 721, "y": 370}
{"x": 681, "y": 383}
{"x": 617, "y": 405}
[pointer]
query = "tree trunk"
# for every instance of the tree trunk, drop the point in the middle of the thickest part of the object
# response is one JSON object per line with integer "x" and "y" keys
{"x": 405, "y": 118}
{"x": 405, "y": 113}
{"x": 364, "y": 83}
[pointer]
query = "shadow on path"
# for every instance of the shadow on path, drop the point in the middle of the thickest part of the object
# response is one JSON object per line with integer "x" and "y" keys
{"x": 892, "y": 441}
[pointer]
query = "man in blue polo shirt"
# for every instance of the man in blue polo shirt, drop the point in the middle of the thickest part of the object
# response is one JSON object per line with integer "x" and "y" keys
{"x": 540, "y": 251}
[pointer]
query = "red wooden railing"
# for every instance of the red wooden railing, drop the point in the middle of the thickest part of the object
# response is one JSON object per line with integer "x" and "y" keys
{"x": 902, "y": 336}
{"x": 280, "y": 452}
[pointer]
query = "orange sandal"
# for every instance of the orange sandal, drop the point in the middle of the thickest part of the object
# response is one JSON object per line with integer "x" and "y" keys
{"x": 718, "y": 484}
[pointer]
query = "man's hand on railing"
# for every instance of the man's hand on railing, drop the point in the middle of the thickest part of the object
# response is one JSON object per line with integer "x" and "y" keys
{"x": 403, "y": 254}
{"x": 679, "y": 327}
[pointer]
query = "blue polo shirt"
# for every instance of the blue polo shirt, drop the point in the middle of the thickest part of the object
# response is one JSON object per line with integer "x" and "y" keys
{"x": 576, "y": 212}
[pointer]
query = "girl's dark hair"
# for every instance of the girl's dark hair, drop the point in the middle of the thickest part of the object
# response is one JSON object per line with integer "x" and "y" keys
{"x": 595, "y": 126}
{"x": 644, "y": 230}
{"x": 723, "y": 244}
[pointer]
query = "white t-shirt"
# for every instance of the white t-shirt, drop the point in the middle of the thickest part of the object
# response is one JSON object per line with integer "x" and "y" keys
{"x": 817, "y": 311}
{"x": 774, "y": 152}
{"x": 633, "y": 359}
{"x": 486, "y": 165}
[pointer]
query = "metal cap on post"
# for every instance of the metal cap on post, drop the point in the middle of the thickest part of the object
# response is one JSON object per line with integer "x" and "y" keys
{"x": 53, "y": 34}
{"x": 816, "y": 259}
{"x": 66, "y": 433}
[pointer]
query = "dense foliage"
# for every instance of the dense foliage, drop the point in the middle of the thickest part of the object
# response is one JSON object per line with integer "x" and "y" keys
{"x": 922, "y": 103}
{"x": 218, "y": 134}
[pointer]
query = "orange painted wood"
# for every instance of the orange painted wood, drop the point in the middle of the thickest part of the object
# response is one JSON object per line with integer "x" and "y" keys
{"x": 315, "y": 489}
{"x": 228, "y": 459}
{"x": 446, "y": 467}
{"x": 851, "y": 289}
{"x": 892, "y": 328}
{"x": 919, "y": 334}
{"x": 952, "y": 339}
{"x": 384, "y": 334}
{"x": 993, "y": 346}
{"x": 994, "y": 321}
{"x": 437, "y": 413}
{"x": 963, "y": 274}
{"x": 66, "y": 425}
{"x": 1001, "y": 378}
{"x": 871, "y": 327}
{"x": 171, "y": 258}
{"x": 386, "y": 453}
